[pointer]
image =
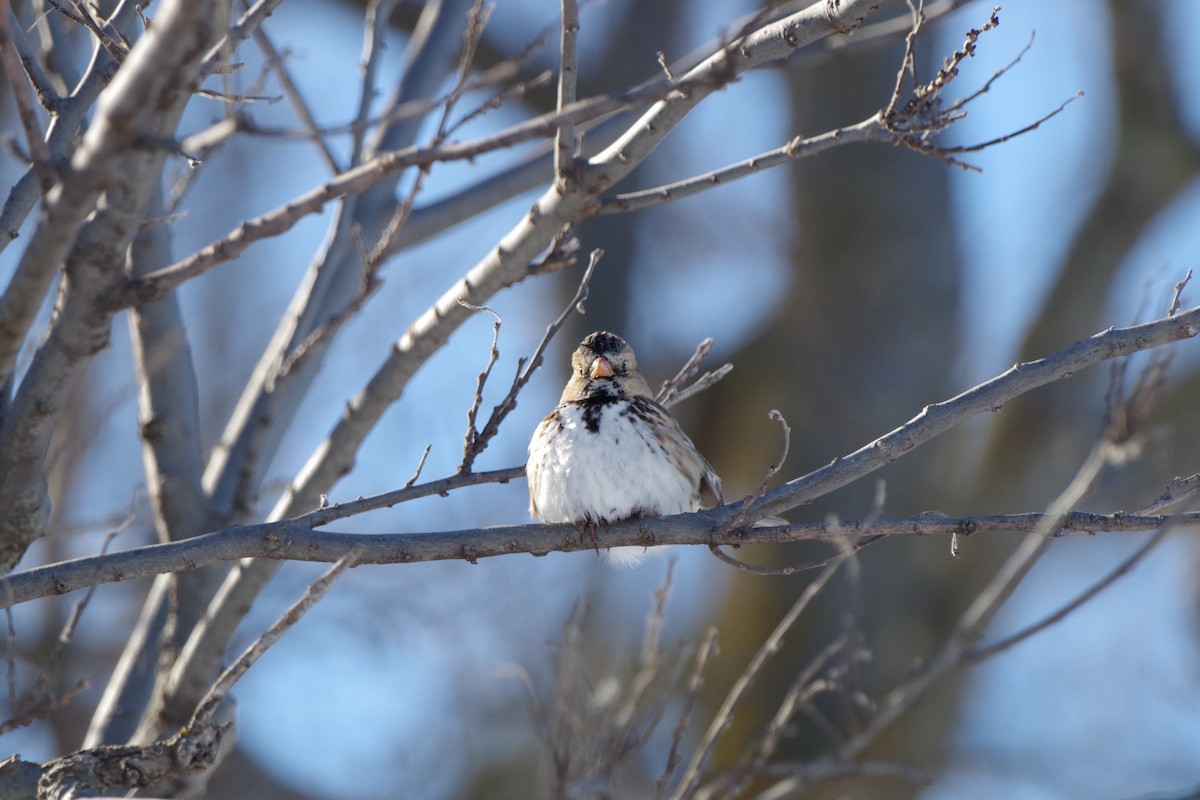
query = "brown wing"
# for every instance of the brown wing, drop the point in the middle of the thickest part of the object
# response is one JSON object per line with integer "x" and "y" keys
{"x": 686, "y": 455}
{"x": 711, "y": 495}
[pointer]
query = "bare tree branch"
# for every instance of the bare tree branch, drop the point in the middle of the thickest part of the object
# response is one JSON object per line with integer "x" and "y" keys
{"x": 869, "y": 130}
{"x": 359, "y": 178}
{"x": 15, "y": 65}
{"x": 564, "y": 137}
{"x": 989, "y": 396}
{"x": 169, "y": 418}
{"x": 508, "y": 262}
{"x": 973, "y": 622}
{"x": 296, "y": 98}
{"x": 272, "y": 396}
{"x": 296, "y": 539}
{"x": 374, "y": 27}
{"x": 724, "y": 715}
{"x": 338, "y": 277}
{"x": 478, "y": 440}
{"x": 145, "y": 99}
{"x": 86, "y": 772}
{"x": 1179, "y": 490}
{"x": 695, "y": 683}
{"x": 246, "y": 25}
{"x": 207, "y": 709}
{"x": 39, "y": 79}
{"x": 29, "y": 286}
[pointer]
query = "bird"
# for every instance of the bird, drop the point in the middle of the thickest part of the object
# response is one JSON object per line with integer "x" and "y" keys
{"x": 608, "y": 451}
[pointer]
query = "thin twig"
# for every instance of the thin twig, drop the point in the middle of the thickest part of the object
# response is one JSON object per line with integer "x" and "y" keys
{"x": 923, "y": 105}
{"x": 472, "y": 435}
{"x": 207, "y": 707}
{"x": 689, "y": 368}
{"x": 983, "y": 653}
{"x": 239, "y": 98}
{"x": 357, "y": 179}
{"x": 672, "y": 392}
{"x": 987, "y": 85}
{"x": 31, "y": 62}
{"x": 1128, "y": 410}
{"x": 804, "y": 687}
{"x": 1178, "y": 296}
{"x": 973, "y": 148}
{"x": 388, "y": 244}
{"x": 38, "y": 693}
{"x": 374, "y": 29}
{"x": 910, "y": 126}
{"x": 739, "y": 519}
{"x": 705, "y": 381}
{"x": 296, "y": 98}
{"x": 217, "y": 59}
{"x": 695, "y": 683}
{"x": 646, "y": 696}
{"x": 972, "y": 624}
{"x": 908, "y": 62}
{"x": 1179, "y": 490}
{"x": 867, "y": 130}
{"x": 325, "y": 332}
{"x": 652, "y": 631}
{"x": 33, "y": 711}
{"x": 116, "y": 48}
{"x": 39, "y": 151}
{"x": 724, "y": 716}
{"x": 527, "y": 367}
{"x": 420, "y": 466}
{"x": 752, "y": 535}
{"x": 498, "y": 98}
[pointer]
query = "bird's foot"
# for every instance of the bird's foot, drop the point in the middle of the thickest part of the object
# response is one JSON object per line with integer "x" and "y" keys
{"x": 589, "y": 527}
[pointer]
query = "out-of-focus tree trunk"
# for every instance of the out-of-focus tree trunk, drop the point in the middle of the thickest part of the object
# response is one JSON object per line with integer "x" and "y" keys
{"x": 865, "y": 338}
{"x": 874, "y": 297}
{"x": 1153, "y": 161}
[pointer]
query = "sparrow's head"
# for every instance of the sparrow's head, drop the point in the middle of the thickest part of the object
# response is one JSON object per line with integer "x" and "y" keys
{"x": 604, "y": 366}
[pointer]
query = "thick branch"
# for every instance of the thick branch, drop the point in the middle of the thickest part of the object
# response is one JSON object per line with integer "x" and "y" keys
{"x": 360, "y": 178}
{"x": 295, "y": 540}
{"x": 88, "y": 771}
{"x": 989, "y": 396}
{"x": 564, "y": 138}
{"x": 145, "y": 99}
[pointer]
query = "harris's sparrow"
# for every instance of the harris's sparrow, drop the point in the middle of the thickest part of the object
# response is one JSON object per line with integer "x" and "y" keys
{"x": 609, "y": 452}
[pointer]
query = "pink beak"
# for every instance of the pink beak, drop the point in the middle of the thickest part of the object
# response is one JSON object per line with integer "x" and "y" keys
{"x": 601, "y": 368}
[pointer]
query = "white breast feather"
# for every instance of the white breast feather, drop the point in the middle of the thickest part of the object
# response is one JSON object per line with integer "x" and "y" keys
{"x": 603, "y": 476}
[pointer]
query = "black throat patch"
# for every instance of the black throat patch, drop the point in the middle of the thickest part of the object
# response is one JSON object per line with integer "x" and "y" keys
{"x": 593, "y": 408}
